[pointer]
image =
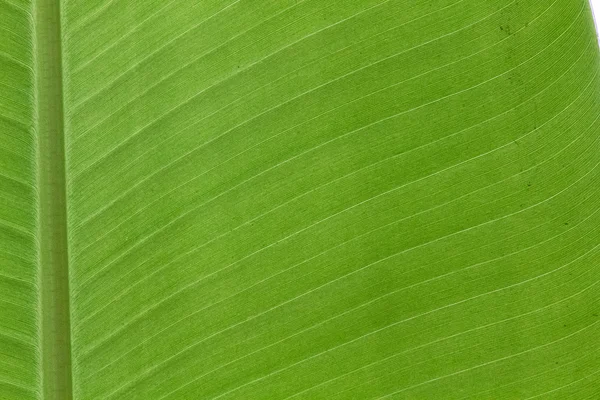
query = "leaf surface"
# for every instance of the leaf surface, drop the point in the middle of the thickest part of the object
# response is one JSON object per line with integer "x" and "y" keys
{"x": 19, "y": 289}
{"x": 304, "y": 199}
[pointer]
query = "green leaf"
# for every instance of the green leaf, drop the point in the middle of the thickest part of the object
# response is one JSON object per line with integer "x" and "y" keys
{"x": 299, "y": 199}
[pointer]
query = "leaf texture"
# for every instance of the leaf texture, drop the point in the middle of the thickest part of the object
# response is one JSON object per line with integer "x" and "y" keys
{"x": 309, "y": 199}
{"x": 19, "y": 294}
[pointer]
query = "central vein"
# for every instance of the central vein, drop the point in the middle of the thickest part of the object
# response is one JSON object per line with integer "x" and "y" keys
{"x": 55, "y": 327}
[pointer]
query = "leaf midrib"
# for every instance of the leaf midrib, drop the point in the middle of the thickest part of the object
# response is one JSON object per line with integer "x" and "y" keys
{"x": 55, "y": 346}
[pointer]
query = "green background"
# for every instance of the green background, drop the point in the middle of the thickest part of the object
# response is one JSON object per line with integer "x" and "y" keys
{"x": 307, "y": 199}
